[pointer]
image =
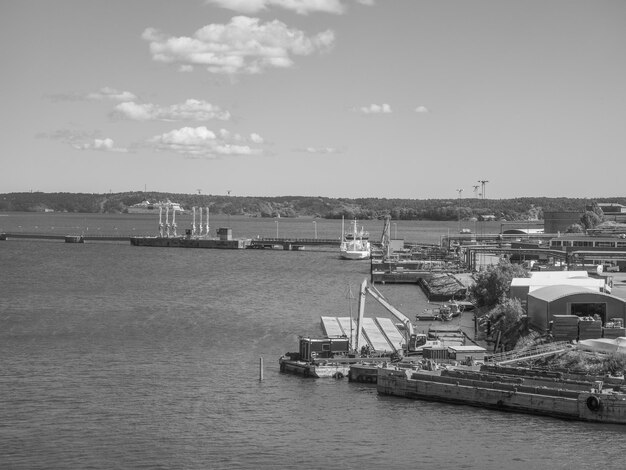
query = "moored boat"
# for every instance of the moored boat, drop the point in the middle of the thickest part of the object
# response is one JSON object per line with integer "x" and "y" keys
{"x": 355, "y": 245}
{"x": 444, "y": 312}
{"x": 74, "y": 239}
{"x": 318, "y": 357}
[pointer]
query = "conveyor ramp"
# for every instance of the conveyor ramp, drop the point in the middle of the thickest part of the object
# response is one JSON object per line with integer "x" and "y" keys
{"x": 379, "y": 333}
{"x": 345, "y": 325}
{"x": 332, "y": 327}
{"x": 374, "y": 336}
{"x": 391, "y": 332}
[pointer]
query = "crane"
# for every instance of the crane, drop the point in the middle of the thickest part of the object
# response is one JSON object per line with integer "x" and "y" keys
{"x": 414, "y": 342}
{"x": 398, "y": 315}
{"x": 386, "y": 237}
{"x": 482, "y": 183}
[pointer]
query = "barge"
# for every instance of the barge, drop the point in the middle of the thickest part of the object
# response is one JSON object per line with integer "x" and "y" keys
{"x": 319, "y": 357}
{"x": 601, "y": 401}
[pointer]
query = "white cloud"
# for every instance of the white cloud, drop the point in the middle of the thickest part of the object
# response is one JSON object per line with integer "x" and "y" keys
{"x": 256, "y": 138}
{"x": 108, "y": 93}
{"x": 190, "y": 110}
{"x": 320, "y": 150}
{"x": 301, "y": 7}
{"x": 102, "y": 145}
{"x": 375, "y": 109}
{"x": 422, "y": 109}
{"x": 81, "y": 140}
{"x": 202, "y": 142}
{"x": 245, "y": 45}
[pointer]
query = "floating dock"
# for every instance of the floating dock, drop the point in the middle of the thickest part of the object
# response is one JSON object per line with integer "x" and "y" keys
{"x": 532, "y": 393}
{"x": 184, "y": 242}
{"x": 224, "y": 240}
{"x": 398, "y": 276}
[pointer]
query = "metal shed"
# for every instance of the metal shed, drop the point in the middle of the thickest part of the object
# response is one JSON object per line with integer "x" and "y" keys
{"x": 546, "y": 302}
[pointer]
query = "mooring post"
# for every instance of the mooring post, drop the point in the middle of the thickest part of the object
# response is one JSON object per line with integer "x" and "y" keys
{"x": 260, "y": 368}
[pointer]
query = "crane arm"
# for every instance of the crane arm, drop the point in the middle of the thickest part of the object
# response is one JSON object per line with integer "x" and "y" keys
{"x": 390, "y": 308}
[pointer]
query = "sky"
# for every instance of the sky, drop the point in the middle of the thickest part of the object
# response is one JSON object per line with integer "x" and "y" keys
{"x": 413, "y": 99}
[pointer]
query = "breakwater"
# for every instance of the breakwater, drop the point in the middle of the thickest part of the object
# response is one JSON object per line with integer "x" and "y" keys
{"x": 287, "y": 243}
{"x": 50, "y": 236}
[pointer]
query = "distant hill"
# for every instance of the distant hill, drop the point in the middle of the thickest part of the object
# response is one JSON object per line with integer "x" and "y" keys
{"x": 297, "y": 206}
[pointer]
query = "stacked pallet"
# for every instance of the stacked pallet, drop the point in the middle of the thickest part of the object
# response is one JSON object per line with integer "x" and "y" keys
{"x": 613, "y": 333}
{"x": 588, "y": 328}
{"x": 565, "y": 327}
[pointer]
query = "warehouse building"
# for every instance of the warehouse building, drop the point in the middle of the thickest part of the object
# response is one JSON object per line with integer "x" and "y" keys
{"x": 522, "y": 286}
{"x": 547, "y": 302}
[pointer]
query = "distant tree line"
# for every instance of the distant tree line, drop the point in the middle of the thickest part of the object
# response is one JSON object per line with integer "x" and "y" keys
{"x": 296, "y": 206}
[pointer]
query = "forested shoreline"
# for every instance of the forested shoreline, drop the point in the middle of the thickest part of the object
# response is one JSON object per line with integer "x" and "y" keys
{"x": 527, "y": 208}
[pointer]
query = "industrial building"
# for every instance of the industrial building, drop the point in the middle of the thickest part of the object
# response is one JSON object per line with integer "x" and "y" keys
{"x": 550, "y": 301}
{"x": 522, "y": 286}
{"x": 554, "y": 222}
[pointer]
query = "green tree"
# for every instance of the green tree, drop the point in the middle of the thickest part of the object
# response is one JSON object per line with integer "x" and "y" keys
{"x": 590, "y": 220}
{"x": 592, "y": 217}
{"x": 492, "y": 285}
{"x": 506, "y": 315}
{"x": 575, "y": 228}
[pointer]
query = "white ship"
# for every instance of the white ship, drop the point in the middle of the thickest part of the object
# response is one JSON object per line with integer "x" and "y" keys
{"x": 355, "y": 245}
{"x": 147, "y": 207}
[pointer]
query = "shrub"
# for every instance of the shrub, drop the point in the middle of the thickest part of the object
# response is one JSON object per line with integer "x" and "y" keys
{"x": 492, "y": 285}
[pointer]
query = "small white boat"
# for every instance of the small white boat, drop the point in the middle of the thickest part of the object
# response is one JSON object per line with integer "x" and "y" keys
{"x": 355, "y": 245}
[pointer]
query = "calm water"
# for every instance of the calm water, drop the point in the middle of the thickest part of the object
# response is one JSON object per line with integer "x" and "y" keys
{"x": 115, "y": 356}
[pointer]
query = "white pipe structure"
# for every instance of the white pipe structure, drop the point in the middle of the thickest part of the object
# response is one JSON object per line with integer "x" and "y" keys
{"x": 200, "y": 225}
{"x": 343, "y": 233}
{"x": 174, "y": 222}
{"x": 207, "y": 221}
{"x": 193, "y": 221}
{"x": 167, "y": 221}
{"x": 161, "y": 221}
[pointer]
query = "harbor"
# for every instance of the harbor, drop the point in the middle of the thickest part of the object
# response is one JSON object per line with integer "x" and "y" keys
{"x": 444, "y": 328}
{"x": 172, "y": 338}
{"x": 447, "y": 365}
{"x": 309, "y": 234}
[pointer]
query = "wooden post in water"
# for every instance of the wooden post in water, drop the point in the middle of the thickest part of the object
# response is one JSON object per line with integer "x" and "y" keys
{"x": 260, "y": 368}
